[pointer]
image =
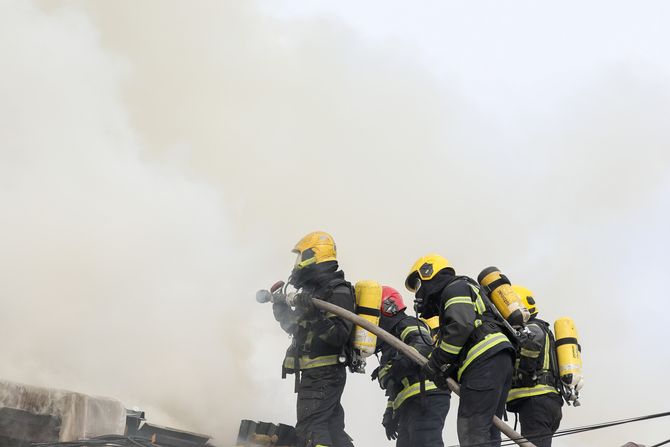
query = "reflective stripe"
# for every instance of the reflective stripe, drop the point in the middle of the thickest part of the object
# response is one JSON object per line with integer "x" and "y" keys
{"x": 458, "y": 300}
{"x": 489, "y": 341}
{"x": 389, "y": 404}
{"x": 537, "y": 390}
{"x": 530, "y": 353}
{"x": 478, "y": 303}
{"x": 451, "y": 349}
{"x": 410, "y": 329}
{"x": 545, "y": 363}
{"x": 308, "y": 363}
{"x": 410, "y": 391}
{"x": 384, "y": 371}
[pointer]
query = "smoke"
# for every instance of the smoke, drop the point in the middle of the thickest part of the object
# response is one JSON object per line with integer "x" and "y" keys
{"x": 159, "y": 159}
{"x": 114, "y": 272}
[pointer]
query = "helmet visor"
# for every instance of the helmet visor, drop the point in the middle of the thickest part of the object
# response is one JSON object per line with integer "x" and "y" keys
{"x": 413, "y": 282}
{"x": 303, "y": 259}
{"x": 389, "y": 307}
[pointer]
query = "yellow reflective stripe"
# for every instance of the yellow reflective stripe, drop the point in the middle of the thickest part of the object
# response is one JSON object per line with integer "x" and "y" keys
{"x": 305, "y": 263}
{"x": 389, "y": 404}
{"x": 537, "y": 390}
{"x": 458, "y": 300}
{"x": 410, "y": 391}
{"x": 478, "y": 323}
{"x": 451, "y": 349}
{"x": 489, "y": 341}
{"x": 385, "y": 370}
{"x": 405, "y": 381}
{"x": 308, "y": 363}
{"x": 545, "y": 362}
{"x": 478, "y": 303}
{"x": 530, "y": 353}
{"x": 410, "y": 329}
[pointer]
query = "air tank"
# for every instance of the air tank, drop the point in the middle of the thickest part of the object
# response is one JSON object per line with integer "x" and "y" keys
{"x": 568, "y": 351}
{"x": 368, "y": 303}
{"x": 502, "y": 295}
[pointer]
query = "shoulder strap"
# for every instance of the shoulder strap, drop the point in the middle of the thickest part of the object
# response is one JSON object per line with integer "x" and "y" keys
{"x": 335, "y": 283}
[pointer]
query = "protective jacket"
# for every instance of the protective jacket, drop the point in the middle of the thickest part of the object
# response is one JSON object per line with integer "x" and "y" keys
{"x": 397, "y": 374}
{"x": 535, "y": 371}
{"x": 469, "y": 331}
{"x": 318, "y": 338}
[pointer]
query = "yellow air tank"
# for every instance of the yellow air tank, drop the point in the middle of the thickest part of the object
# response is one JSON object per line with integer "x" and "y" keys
{"x": 434, "y": 325}
{"x": 368, "y": 303}
{"x": 503, "y": 296}
{"x": 568, "y": 351}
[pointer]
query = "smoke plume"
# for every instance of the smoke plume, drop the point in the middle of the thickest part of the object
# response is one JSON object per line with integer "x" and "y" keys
{"x": 159, "y": 159}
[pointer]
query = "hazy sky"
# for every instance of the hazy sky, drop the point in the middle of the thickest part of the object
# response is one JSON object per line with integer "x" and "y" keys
{"x": 160, "y": 159}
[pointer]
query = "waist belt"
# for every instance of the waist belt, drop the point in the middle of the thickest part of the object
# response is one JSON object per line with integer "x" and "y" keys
{"x": 411, "y": 391}
{"x": 306, "y": 362}
{"x": 537, "y": 390}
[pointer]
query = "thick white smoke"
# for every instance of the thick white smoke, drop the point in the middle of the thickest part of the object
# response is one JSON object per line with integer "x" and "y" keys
{"x": 115, "y": 270}
{"x": 159, "y": 159}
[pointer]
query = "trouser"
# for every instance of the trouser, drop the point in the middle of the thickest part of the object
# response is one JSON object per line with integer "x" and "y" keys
{"x": 320, "y": 414}
{"x": 484, "y": 387}
{"x": 421, "y": 425}
{"x": 540, "y": 417}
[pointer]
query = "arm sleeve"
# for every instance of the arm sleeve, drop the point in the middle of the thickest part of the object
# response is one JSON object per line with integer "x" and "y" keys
{"x": 456, "y": 323}
{"x": 414, "y": 333}
{"x": 332, "y": 329}
{"x": 385, "y": 364}
{"x": 287, "y": 317}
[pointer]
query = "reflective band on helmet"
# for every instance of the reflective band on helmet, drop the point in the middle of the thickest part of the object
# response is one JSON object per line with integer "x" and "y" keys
{"x": 451, "y": 349}
{"x": 489, "y": 341}
{"x": 411, "y": 390}
{"x": 537, "y": 390}
{"x": 308, "y": 363}
{"x": 305, "y": 263}
{"x": 410, "y": 329}
{"x": 458, "y": 300}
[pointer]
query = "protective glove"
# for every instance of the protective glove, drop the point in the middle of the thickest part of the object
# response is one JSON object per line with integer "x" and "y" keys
{"x": 303, "y": 301}
{"x": 437, "y": 374}
{"x": 390, "y": 424}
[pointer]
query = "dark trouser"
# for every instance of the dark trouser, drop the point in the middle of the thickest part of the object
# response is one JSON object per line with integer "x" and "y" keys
{"x": 540, "y": 417}
{"x": 320, "y": 414}
{"x": 421, "y": 426}
{"x": 484, "y": 388}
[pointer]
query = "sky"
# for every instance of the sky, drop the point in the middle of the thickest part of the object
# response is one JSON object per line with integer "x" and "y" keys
{"x": 160, "y": 159}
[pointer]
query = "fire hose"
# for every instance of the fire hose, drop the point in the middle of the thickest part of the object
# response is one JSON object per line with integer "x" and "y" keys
{"x": 412, "y": 354}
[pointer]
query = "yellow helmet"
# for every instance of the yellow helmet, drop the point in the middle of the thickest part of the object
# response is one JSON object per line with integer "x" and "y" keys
{"x": 526, "y": 298}
{"x": 315, "y": 248}
{"x": 424, "y": 269}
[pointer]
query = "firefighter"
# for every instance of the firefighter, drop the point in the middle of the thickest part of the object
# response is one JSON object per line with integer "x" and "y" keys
{"x": 535, "y": 395}
{"x": 416, "y": 408}
{"x": 319, "y": 342}
{"x": 471, "y": 346}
